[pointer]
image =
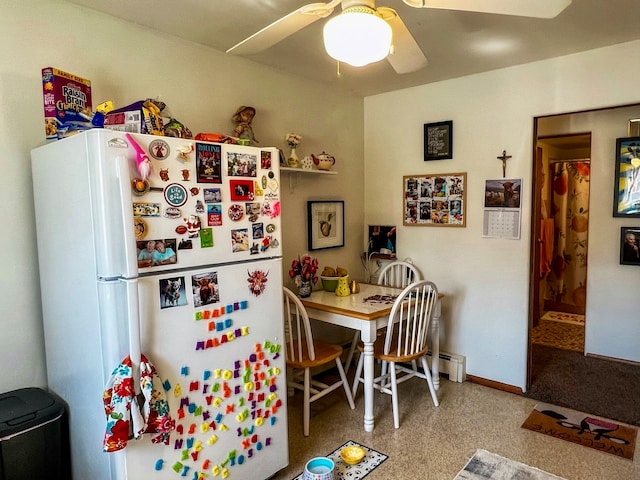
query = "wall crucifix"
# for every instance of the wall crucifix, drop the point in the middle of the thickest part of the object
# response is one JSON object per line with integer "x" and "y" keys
{"x": 504, "y": 157}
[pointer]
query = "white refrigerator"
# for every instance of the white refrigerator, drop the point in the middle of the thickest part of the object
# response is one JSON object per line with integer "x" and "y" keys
{"x": 161, "y": 283}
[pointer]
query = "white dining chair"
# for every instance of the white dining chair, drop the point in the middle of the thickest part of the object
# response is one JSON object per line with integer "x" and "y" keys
{"x": 399, "y": 273}
{"x": 303, "y": 352}
{"x": 404, "y": 342}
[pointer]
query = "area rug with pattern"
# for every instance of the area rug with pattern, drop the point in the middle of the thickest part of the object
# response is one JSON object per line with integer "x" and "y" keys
{"x": 489, "y": 466}
{"x": 594, "y": 432}
{"x": 372, "y": 459}
{"x": 564, "y": 317}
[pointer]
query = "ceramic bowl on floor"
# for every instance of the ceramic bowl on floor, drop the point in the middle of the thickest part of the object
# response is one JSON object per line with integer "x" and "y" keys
{"x": 352, "y": 455}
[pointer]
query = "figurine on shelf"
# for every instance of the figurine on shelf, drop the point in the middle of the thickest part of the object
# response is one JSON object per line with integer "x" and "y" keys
{"x": 243, "y": 118}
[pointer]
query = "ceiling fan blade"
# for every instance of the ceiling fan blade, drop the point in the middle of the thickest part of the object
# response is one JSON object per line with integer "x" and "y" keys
{"x": 406, "y": 55}
{"x": 282, "y": 28}
{"x": 520, "y": 8}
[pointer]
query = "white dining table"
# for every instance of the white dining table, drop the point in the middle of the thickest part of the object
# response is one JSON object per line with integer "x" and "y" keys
{"x": 367, "y": 316}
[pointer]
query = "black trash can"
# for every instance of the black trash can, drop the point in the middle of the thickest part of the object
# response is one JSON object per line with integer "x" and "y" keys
{"x": 34, "y": 441}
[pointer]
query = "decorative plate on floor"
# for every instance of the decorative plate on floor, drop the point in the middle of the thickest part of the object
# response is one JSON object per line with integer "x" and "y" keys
{"x": 372, "y": 459}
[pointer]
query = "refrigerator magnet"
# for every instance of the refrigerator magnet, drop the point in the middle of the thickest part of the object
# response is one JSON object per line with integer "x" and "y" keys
{"x": 258, "y": 230}
{"x": 242, "y": 190}
{"x": 159, "y": 149}
{"x": 258, "y": 192}
{"x": 214, "y": 215}
{"x": 236, "y": 212}
{"x": 172, "y": 292}
{"x": 208, "y": 163}
{"x": 212, "y": 195}
{"x": 175, "y": 195}
{"x": 265, "y": 160}
{"x": 206, "y": 237}
{"x": 140, "y": 228}
{"x": 240, "y": 240}
{"x": 257, "y": 282}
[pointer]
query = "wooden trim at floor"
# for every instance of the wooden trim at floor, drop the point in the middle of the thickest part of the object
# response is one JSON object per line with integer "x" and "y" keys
{"x": 493, "y": 384}
{"x": 613, "y": 359}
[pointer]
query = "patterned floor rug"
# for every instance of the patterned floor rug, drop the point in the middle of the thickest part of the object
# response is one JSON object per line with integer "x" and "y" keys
{"x": 564, "y": 317}
{"x": 372, "y": 459}
{"x": 594, "y": 432}
{"x": 568, "y": 336}
{"x": 489, "y": 466}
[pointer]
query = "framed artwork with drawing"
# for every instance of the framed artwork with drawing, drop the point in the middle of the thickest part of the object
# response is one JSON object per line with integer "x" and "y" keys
{"x": 325, "y": 224}
{"x": 626, "y": 189}
{"x": 437, "y": 200}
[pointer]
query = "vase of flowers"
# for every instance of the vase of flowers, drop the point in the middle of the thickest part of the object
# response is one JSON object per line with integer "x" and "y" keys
{"x": 303, "y": 271}
{"x": 293, "y": 140}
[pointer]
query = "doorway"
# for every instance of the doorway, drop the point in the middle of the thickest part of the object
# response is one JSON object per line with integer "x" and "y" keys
{"x": 562, "y": 179}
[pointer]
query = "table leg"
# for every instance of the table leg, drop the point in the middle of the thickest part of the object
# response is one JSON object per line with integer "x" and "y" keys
{"x": 368, "y": 331}
{"x": 368, "y": 386}
{"x": 435, "y": 346}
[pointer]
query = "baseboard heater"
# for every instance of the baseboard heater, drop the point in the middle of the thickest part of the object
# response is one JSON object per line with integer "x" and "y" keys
{"x": 452, "y": 365}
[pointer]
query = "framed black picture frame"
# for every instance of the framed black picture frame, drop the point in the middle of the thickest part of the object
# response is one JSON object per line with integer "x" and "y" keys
{"x": 630, "y": 246}
{"x": 325, "y": 224}
{"x": 626, "y": 189}
{"x": 438, "y": 141}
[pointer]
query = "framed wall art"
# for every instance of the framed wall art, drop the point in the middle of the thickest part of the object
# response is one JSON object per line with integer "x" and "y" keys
{"x": 630, "y": 246}
{"x": 438, "y": 140}
{"x": 325, "y": 224}
{"x": 435, "y": 200}
{"x": 626, "y": 189}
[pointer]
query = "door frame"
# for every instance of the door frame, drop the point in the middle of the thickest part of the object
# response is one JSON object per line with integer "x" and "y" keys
{"x": 537, "y": 183}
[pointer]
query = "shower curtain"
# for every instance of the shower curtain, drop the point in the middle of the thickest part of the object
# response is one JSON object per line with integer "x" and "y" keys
{"x": 567, "y": 281}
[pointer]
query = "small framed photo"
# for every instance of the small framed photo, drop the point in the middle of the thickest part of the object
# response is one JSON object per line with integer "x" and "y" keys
{"x": 626, "y": 189}
{"x": 630, "y": 246}
{"x": 438, "y": 141}
{"x": 325, "y": 224}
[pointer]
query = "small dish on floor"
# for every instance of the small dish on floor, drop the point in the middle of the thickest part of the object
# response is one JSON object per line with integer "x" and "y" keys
{"x": 352, "y": 455}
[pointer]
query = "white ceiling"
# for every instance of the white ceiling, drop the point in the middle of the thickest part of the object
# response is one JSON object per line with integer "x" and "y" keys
{"x": 456, "y": 43}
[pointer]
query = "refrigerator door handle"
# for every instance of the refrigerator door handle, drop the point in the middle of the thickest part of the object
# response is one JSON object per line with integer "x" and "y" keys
{"x": 133, "y": 314}
{"x": 131, "y": 257}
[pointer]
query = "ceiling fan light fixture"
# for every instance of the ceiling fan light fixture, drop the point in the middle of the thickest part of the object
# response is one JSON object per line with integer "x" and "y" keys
{"x": 358, "y": 36}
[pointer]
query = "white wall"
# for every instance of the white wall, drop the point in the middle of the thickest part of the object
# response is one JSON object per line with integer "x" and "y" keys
{"x": 486, "y": 281}
{"x": 202, "y": 88}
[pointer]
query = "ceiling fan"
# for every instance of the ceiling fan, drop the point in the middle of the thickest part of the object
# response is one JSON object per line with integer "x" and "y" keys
{"x": 363, "y": 34}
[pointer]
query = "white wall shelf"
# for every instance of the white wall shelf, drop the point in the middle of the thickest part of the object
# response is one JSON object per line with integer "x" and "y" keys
{"x": 294, "y": 173}
{"x": 308, "y": 171}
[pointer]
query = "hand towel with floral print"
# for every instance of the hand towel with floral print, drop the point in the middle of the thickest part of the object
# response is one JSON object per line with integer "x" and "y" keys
{"x": 156, "y": 408}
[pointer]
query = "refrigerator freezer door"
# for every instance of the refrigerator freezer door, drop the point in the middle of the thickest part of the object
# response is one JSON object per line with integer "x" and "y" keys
{"x": 214, "y": 335}
{"x": 205, "y": 203}
{"x": 77, "y": 197}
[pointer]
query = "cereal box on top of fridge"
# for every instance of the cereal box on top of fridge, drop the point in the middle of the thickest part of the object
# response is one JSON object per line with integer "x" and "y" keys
{"x": 67, "y": 103}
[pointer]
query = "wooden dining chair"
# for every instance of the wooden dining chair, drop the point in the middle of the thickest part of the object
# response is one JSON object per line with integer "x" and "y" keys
{"x": 399, "y": 273}
{"x": 303, "y": 352}
{"x": 404, "y": 342}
